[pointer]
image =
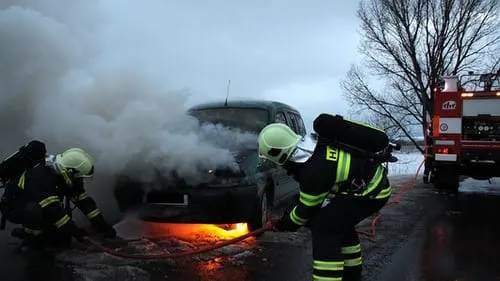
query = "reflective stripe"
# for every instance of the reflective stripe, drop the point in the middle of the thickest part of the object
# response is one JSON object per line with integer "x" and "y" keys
{"x": 343, "y": 166}
{"x": 353, "y": 262}
{"x": 93, "y": 214}
{"x": 32, "y": 231}
{"x": 328, "y": 265}
{"x": 319, "y": 278}
{"x": 351, "y": 249}
{"x": 80, "y": 197}
{"x": 377, "y": 178}
{"x": 66, "y": 178}
{"x": 20, "y": 182}
{"x": 62, "y": 221}
{"x": 312, "y": 200}
{"x": 49, "y": 200}
{"x": 375, "y": 181}
{"x": 296, "y": 219}
{"x": 384, "y": 193}
{"x": 10, "y": 156}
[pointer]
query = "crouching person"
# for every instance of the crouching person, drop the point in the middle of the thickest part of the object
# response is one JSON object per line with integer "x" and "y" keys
{"x": 37, "y": 203}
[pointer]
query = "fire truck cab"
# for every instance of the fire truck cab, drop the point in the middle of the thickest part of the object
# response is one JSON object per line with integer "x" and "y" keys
{"x": 465, "y": 129}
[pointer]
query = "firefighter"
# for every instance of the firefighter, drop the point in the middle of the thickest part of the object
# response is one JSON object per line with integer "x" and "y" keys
{"x": 337, "y": 191}
{"x": 37, "y": 202}
{"x": 429, "y": 157}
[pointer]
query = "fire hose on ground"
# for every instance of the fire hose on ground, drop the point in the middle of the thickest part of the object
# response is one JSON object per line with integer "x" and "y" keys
{"x": 370, "y": 233}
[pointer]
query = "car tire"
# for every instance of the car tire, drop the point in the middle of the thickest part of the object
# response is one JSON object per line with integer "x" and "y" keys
{"x": 260, "y": 212}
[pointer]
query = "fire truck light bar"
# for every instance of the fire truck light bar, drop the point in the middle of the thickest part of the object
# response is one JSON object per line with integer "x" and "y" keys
{"x": 469, "y": 95}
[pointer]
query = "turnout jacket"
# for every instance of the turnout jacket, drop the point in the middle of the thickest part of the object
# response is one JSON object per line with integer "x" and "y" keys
{"x": 333, "y": 171}
{"x": 43, "y": 185}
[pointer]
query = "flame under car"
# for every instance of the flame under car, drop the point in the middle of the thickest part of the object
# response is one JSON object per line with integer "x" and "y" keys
{"x": 228, "y": 195}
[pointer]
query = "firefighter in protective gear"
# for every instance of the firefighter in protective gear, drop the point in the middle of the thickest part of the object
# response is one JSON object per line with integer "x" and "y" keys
{"x": 333, "y": 197}
{"x": 429, "y": 157}
{"x": 38, "y": 201}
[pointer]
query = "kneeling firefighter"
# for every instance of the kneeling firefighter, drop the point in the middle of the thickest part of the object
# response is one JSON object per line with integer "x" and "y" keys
{"x": 35, "y": 200}
{"x": 339, "y": 187}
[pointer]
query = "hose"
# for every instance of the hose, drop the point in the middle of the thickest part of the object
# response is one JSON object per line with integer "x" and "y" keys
{"x": 371, "y": 233}
{"x": 179, "y": 254}
{"x": 373, "y": 229}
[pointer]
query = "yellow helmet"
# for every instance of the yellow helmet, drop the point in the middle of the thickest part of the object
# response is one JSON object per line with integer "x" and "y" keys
{"x": 277, "y": 142}
{"x": 77, "y": 162}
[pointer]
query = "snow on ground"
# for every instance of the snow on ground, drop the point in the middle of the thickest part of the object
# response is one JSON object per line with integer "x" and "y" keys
{"x": 408, "y": 163}
{"x": 492, "y": 186}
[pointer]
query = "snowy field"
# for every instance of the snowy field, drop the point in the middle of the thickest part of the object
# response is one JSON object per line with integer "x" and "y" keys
{"x": 407, "y": 164}
{"x": 410, "y": 161}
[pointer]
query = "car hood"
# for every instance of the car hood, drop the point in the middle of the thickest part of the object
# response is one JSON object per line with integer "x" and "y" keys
{"x": 244, "y": 172}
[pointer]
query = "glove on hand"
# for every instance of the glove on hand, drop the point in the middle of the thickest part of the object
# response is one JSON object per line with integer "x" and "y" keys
{"x": 103, "y": 228}
{"x": 79, "y": 234}
{"x": 285, "y": 224}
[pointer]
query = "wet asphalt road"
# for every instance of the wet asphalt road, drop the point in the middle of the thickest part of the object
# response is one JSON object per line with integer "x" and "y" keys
{"x": 426, "y": 237}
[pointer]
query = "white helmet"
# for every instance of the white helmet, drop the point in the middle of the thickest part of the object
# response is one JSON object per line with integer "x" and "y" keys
{"x": 77, "y": 162}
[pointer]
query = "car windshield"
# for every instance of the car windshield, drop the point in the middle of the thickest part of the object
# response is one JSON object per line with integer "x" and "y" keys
{"x": 246, "y": 119}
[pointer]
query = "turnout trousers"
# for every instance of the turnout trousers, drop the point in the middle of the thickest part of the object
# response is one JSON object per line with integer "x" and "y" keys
{"x": 336, "y": 247}
{"x": 36, "y": 232}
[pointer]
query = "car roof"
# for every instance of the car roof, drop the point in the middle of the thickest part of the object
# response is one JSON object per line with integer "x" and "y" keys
{"x": 263, "y": 104}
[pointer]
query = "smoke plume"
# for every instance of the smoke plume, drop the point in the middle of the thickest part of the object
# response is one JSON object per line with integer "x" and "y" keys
{"x": 61, "y": 82}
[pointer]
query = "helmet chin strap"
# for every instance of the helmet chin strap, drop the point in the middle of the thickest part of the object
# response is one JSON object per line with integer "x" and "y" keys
{"x": 304, "y": 150}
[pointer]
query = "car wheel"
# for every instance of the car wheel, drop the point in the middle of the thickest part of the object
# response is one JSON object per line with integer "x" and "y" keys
{"x": 260, "y": 212}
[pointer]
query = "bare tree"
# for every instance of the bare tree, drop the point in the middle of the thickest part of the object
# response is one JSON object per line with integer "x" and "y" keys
{"x": 408, "y": 44}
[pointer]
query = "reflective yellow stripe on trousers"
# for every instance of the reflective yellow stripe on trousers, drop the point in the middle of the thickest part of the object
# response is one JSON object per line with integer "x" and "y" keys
{"x": 329, "y": 268}
{"x": 352, "y": 255}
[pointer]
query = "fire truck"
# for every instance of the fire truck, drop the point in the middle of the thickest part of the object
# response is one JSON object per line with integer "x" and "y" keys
{"x": 465, "y": 131}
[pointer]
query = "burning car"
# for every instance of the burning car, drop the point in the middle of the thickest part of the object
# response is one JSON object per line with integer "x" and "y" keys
{"x": 227, "y": 196}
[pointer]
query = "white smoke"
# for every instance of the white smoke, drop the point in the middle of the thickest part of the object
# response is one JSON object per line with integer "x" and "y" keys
{"x": 62, "y": 83}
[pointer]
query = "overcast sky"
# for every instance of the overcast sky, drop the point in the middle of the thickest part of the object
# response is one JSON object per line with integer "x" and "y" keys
{"x": 286, "y": 50}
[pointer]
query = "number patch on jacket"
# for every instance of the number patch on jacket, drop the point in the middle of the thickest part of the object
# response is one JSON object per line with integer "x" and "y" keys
{"x": 331, "y": 153}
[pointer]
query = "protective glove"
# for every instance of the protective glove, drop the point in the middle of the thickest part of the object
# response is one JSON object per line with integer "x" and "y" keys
{"x": 80, "y": 234}
{"x": 284, "y": 224}
{"x": 103, "y": 228}
{"x": 108, "y": 231}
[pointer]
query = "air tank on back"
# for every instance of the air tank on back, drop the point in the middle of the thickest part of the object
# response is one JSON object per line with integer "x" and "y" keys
{"x": 336, "y": 129}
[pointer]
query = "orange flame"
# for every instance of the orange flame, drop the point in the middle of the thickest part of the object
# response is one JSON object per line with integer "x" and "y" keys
{"x": 192, "y": 232}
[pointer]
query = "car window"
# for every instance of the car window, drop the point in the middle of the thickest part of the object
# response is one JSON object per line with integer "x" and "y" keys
{"x": 300, "y": 122}
{"x": 280, "y": 118}
{"x": 293, "y": 123}
{"x": 247, "y": 119}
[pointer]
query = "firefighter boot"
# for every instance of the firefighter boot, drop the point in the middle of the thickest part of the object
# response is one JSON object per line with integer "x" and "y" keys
{"x": 31, "y": 243}
{"x": 426, "y": 178}
{"x": 352, "y": 275}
